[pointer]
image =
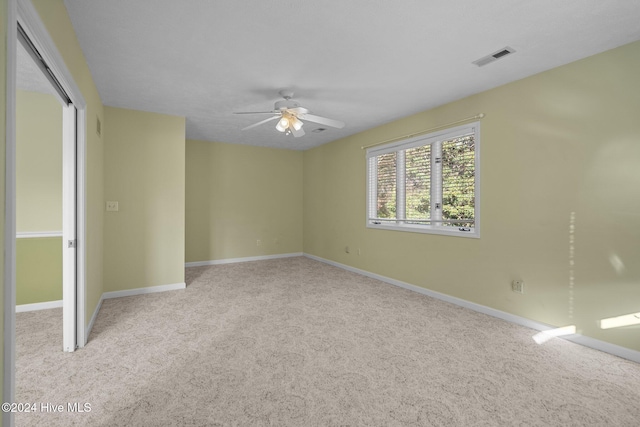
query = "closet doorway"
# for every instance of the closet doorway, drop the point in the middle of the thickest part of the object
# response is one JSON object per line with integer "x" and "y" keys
{"x": 45, "y": 190}
{"x": 24, "y": 20}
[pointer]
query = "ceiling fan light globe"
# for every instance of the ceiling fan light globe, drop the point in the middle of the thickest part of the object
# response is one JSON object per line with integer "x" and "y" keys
{"x": 283, "y": 124}
{"x": 297, "y": 124}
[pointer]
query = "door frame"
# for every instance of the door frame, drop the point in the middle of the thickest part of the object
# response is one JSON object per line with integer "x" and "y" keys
{"x": 23, "y": 12}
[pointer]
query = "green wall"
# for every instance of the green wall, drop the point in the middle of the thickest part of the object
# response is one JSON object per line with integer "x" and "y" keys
{"x": 56, "y": 20}
{"x": 38, "y": 196}
{"x": 560, "y": 199}
{"x": 145, "y": 173}
{"x": 38, "y": 162}
{"x": 38, "y": 270}
{"x": 239, "y": 194}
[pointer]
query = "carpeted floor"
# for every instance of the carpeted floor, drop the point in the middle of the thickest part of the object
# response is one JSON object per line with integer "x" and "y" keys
{"x": 294, "y": 342}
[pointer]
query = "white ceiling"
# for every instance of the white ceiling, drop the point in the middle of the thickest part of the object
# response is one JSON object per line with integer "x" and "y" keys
{"x": 365, "y": 62}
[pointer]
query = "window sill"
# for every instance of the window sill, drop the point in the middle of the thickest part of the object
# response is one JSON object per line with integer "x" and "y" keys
{"x": 474, "y": 233}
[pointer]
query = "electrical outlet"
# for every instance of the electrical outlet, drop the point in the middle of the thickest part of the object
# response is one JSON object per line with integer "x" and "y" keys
{"x": 112, "y": 206}
{"x": 347, "y": 250}
{"x": 518, "y": 286}
{"x": 258, "y": 242}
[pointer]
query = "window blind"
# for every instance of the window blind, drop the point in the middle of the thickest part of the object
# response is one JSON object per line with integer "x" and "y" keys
{"x": 458, "y": 181}
{"x": 386, "y": 185}
{"x": 418, "y": 182}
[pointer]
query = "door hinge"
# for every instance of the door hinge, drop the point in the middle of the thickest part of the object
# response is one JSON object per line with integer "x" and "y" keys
{"x": 72, "y": 243}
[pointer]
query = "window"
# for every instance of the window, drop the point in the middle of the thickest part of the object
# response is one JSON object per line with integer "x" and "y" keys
{"x": 426, "y": 184}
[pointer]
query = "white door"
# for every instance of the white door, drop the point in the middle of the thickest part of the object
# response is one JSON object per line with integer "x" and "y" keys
{"x": 69, "y": 235}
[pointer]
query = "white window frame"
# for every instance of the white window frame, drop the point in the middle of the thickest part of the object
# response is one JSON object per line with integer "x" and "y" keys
{"x": 434, "y": 140}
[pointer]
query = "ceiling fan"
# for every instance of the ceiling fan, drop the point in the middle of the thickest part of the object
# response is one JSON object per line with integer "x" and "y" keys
{"x": 290, "y": 115}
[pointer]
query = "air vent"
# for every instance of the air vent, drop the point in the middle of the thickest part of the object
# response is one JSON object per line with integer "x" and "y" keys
{"x": 494, "y": 56}
{"x": 319, "y": 130}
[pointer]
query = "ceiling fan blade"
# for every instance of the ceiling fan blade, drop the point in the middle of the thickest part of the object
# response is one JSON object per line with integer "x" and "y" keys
{"x": 298, "y": 110}
{"x": 297, "y": 133}
{"x": 322, "y": 120}
{"x": 261, "y": 122}
{"x": 258, "y": 112}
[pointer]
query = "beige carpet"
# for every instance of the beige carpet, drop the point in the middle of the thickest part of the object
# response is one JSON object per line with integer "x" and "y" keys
{"x": 294, "y": 342}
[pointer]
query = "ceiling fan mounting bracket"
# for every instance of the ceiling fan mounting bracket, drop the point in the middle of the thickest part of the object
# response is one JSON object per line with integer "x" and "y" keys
{"x": 286, "y": 94}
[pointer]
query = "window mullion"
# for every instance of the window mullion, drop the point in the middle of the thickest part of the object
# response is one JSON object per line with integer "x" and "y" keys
{"x": 372, "y": 176}
{"x": 401, "y": 198}
{"x": 436, "y": 183}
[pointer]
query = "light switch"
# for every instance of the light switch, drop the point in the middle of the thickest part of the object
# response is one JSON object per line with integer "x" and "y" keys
{"x": 112, "y": 206}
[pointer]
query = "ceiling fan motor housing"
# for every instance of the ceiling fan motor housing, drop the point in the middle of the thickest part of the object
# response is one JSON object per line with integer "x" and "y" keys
{"x": 286, "y": 104}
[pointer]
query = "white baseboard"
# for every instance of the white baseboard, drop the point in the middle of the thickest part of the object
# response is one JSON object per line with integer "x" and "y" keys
{"x": 38, "y": 306}
{"x": 245, "y": 259}
{"x": 93, "y": 320}
{"x": 128, "y": 293}
{"x": 141, "y": 291}
{"x": 606, "y": 347}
